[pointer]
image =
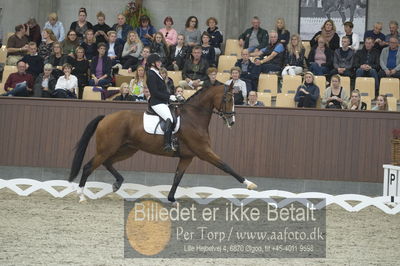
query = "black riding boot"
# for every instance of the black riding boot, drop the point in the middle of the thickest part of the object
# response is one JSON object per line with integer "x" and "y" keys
{"x": 167, "y": 136}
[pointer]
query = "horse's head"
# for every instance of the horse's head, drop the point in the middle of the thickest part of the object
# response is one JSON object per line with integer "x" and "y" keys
{"x": 226, "y": 105}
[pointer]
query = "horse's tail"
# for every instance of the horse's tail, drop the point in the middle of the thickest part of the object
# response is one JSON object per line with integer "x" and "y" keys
{"x": 81, "y": 147}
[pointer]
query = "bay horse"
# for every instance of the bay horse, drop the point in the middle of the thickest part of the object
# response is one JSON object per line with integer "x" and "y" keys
{"x": 121, "y": 134}
{"x": 330, "y": 6}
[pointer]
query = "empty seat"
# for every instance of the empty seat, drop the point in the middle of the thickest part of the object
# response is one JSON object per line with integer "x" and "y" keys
{"x": 285, "y": 100}
{"x": 265, "y": 98}
{"x": 290, "y": 83}
{"x": 124, "y": 72}
{"x": 366, "y": 86}
{"x": 345, "y": 82}
{"x": 223, "y": 77}
{"x": 89, "y": 94}
{"x": 390, "y": 87}
{"x": 119, "y": 79}
{"x": 367, "y": 100}
{"x": 232, "y": 48}
{"x": 3, "y": 55}
{"x": 176, "y": 76}
{"x": 268, "y": 83}
{"x": 226, "y": 62}
{"x": 392, "y": 104}
{"x": 320, "y": 81}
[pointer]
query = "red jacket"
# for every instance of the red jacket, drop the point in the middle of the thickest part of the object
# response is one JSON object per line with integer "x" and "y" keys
{"x": 16, "y": 78}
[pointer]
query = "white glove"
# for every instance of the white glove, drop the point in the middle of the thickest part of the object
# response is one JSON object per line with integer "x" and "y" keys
{"x": 180, "y": 98}
{"x": 172, "y": 98}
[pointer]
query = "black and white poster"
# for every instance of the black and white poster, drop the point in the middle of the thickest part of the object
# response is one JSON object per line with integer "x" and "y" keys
{"x": 313, "y": 14}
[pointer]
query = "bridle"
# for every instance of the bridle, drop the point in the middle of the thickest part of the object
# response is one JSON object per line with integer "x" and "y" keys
{"x": 221, "y": 111}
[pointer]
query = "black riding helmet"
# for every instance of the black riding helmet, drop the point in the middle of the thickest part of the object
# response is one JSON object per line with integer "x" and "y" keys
{"x": 152, "y": 59}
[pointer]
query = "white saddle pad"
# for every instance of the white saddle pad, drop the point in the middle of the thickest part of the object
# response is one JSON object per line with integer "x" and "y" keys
{"x": 150, "y": 122}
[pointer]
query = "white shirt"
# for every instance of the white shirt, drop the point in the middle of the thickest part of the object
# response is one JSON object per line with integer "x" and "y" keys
{"x": 58, "y": 30}
{"x": 111, "y": 51}
{"x": 70, "y": 84}
{"x": 240, "y": 84}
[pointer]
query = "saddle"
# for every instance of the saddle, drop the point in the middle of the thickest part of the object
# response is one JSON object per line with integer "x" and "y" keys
{"x": 154, "y": 124}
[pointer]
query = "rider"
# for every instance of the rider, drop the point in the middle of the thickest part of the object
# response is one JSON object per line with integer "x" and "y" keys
{"x": 160, "y": 97}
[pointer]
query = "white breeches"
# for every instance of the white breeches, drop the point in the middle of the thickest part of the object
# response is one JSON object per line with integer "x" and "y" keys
{"x": 163, "y": 111}
{"x": 292, "y": 70}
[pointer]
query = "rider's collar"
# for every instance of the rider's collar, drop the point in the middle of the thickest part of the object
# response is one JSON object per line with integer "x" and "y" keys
{"x": 157, "y": 72}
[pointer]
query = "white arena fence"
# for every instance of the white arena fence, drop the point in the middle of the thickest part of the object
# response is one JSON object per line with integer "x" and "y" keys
{"x": 203, "y": 195}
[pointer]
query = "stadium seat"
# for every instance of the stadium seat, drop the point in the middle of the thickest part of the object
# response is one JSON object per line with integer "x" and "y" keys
{"x": 290, "y": 83}
{"x": 119, "y": 79}
{"x": 89, "y": 94}
{"x": 285, "y": 100}
{"x": 265, "y": 98}
{"x": 390, "y": 87}
{"x": 176, "y": 76}
{"x": 367, "y": 100}
{"x": 268, "y": 83}
{"x": 307, "y": 47}
{"x": 188, "y": 93}
{"x": 223, "y": 77}
{"x": 232, "y": 48}
{"x": 3, "y": 55}
{"x": 124, "y": 72}
{"x": 226, "y": 62}
{"x": 392, "y": 104}
{"x": 366, "y": 85}
{"x": 345, "y": 82}
{"x": 320, "y": 81}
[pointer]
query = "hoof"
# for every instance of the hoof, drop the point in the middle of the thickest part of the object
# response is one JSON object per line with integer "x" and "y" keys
{"x": 82, "y": 198}
{"x": 116, "y": 186}
{"x": 251, "y": 186}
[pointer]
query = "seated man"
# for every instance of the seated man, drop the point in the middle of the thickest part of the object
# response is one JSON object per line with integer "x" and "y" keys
{"x": 271, "y": 57}
{"x": 19, "y": 83}
{"x": 366, "y": 61}
{"x": 377, "y": 35}
{"x": 390, "y": 59}
{"x": 343, "y": 59}
{"x": 114, "y": 49}
{"x": 255, "y": 37}
{"x": 394, "y": 31}
{"x": 250, "y": 72}
{"x": 122, "y": 29}
{"x": 34, "y": 62}
{"x": 17, "y": 45}
{"x": 252, "y": 99}
{"x": 194, "y": 71}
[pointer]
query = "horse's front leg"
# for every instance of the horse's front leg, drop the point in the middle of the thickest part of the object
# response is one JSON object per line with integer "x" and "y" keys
{"x": 214, "y": 159}
{"x": 180, "y": 170}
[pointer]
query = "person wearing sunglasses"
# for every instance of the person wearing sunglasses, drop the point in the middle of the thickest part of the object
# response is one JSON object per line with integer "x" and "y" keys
{"x": 170, "y": 34}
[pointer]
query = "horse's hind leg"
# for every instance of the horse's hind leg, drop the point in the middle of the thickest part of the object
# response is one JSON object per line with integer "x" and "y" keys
{"x": 123, "y": 153}
{"x": 180, "y": 170}
{"x": 214, "y": 159}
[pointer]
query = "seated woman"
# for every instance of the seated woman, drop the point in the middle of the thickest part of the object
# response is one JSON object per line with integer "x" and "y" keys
{"x": 381, "y": 104}
{"x": 191, "y": 32}
{"x": 168, "y": 81}
{"x": 169, "y": 33}
{"x": 283, "y": 33}
{"x": 294, "y": 58}
{"x": 307, "y": 94}
{"x": 271, "y": 57}
{"x": 132, "y": 50}
{"x": 138, "y": 83}
{"x": 125, "y": 96}
{"x": 100, "y": 68}
{"x": 320, "y": 59}
{"x": 89, "y": 45}
{"x": 208, "y": 52}
{"x": 216, "y": 35}
{"x": 101, "y": 28}
{"x": 80, "y": 69}
{"x": 145, "y": 30}
{"x": 355, "y": 101}
{"x": 160, "y": 47}
{"x": 212, "y": 78}
{"x": 328, "y": 31}
{"x": 335, "y": 96}
{"x": 239, "y": 86}
{"x": 57, "y": 59}
{"x": 70, "y": 43}
{"x": 46, "y": 47}
{"x": 33, "y": 31}
{"x": 178, "y": 54}
{"x": 81, "y": 25}
{"x": 45, "y": 83}
{"x": 67, "y": 85}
